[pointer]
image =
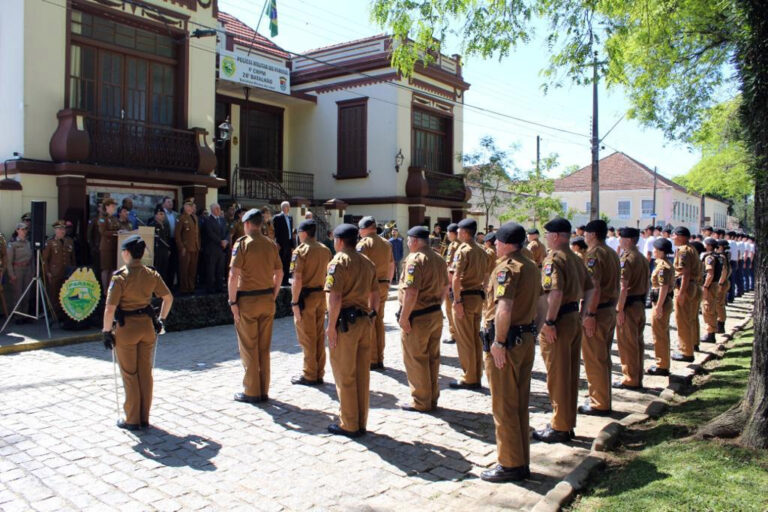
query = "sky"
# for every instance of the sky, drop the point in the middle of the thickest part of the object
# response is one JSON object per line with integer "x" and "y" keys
{"x": 511, "y": 87}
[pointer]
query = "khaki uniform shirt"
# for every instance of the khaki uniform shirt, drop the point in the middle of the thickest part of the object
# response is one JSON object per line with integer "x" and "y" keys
{"x": 491, "y": 252}
{"x": 132, "y": 286}
{"x": 538, "y": 251}
{"x": 603, "y": 265}
{"x": 108, "y": 228}
{"x": 379, "y": 251}
{"x": 425, "y": 271}
{"x": 663, "y": 274}
{"x": 450, "y": 252}
{"x": 470, "y": 263}
{"x": 516, "y": 278}
{"x": 707, "y": 263}
{"x": 58, "y": 255}
{"x": 353, "y": 276}
{"x": 125, "y": 225}
{"x": 187, "y": 234}
{"x": 634, "y": 272}
{"x": 565, "y": 271}
{"x": 310, "y": 259}
{"x": 687, "y": 257}
{"x": 257, "y": 258}
{"x": 726, "y": 275}
{"x": 19, "y": 254}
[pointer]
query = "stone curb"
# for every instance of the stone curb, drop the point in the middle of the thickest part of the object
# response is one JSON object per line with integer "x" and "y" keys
{"x": 575, "y": 481}
{"x": 55, "y": 342}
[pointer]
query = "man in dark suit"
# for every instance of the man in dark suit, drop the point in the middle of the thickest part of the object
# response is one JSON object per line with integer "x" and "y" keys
{"x": 215, "y": 240}
{"x": 284, "y": 225}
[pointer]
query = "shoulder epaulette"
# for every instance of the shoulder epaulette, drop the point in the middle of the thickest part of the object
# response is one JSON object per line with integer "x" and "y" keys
{"x": 118, "y": 271}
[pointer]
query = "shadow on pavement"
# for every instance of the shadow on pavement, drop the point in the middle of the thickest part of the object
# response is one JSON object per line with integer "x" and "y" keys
{"x": 290, "y": 417}
{"x": 171, "y": 450}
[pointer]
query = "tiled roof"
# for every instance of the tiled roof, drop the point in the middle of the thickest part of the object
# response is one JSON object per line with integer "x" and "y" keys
{"x": 618, "y": 171}
{"x": 246, "y": 36}
{"x": 347, "y": 43}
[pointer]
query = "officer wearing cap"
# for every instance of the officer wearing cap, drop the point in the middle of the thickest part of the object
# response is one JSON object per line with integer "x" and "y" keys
{"x": 510, "y": 339}
{"x": 707, "y": 232}
{"x": 469, "y": 272}
{"x": 422, "y": 289}
{"x": 133, "y": 339}
{"x": 309, "y": 262}
{"x": 687, "y": 293}
{"x": 187, "y": 237}
{"x": 710, "y": 293}
{"x": 630, "y": 310}
{"x": 452, "y": 233}
{"x": 58, "y": 255}
{"x": 163, "y": 242}
{"x": 20, "y": 267}
{"x": 489, "y": 246}
{"x": 722, "y": 253}
{"x": 352, "y": 292}
{"x": 579, "y": 247}
{"x": 662, "y": 281}
{"x": 600, "y": 320}
{"x": 537, "y": 249}
{"x": 379, "y": 251}
{"x": 108, "y": 228}
{"x": 565, "y": 282}
{"x": 255, "y": 276}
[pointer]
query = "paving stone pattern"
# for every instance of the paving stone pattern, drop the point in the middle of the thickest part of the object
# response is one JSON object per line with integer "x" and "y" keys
{"x": 60, "y": 450}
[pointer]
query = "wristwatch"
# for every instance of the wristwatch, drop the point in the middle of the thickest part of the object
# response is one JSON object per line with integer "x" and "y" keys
{"x": 550, "y": 323}
{"x": 497, "y": 344}
{"x": 294, "y": 304}
{"x": 232, "y": 302}
{"x": 591, "y": 314}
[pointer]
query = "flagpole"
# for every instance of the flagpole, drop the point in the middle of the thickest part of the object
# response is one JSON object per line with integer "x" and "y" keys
{"x": 258, "y": 24}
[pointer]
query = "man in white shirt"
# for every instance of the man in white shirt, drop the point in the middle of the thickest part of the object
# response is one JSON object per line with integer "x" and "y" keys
{"x": 612, "y": 241}
{"x": 648, "y": 249}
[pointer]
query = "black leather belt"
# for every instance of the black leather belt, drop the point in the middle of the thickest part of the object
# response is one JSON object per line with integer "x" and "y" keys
{"x": 567, "y": 308}
{"x": 252, "y": 293}
{"x": 608, "y": 304}
{"x": 481, "y": 293}
{"x": 383, "y": 280}
{"x": 514, "y": 335}
{"x": 425, "y": 311}
{"x": 631, "y": 299}
{"x": 655, "y": 295}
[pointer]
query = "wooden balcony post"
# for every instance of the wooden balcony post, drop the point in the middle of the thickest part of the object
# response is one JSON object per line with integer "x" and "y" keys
{"x": 70, "y": 142}
{"x": 206, "y": 157}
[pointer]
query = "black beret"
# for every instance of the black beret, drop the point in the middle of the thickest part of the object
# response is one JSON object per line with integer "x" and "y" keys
{"x": 558, "y": 225}
{"x": 667, "y": 229}
{"x": 698, "y": 246}
{"x": 723, "y": 243}
{"x": 649, "y": 226}
{"x": 710, "y": 241}
{"x": 490, "y": 237}
{"x": 452, "y": 228}
{"x": 598, "y": 226}
{"x": 511, "y": 233}
{"x": 629, "y": 232}
{"x": 307, "y": 224}
{"x": 707, "y": 228}
{"x": 579, "y": 241}
{"x": 611, "y": 228}
{"x": 470, "y": 224}
{"x": 132, "y": 242}
{"x": 419, "y": 232}
{"x": 252, "y": 215}
{"x": 345, "y": 232}
{"x": 659, "y": 228}
{"x": 663, "y": 244}
{"x": 582, "y": 227}
{"x": 720, "y": 232}
{"x": 366, "y": 222}
{"x": 682, "y": 231}
{"x": 533, "y": 231}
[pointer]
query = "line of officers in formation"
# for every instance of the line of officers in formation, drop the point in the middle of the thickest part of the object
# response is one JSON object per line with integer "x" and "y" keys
{"x": 498, "y": 299}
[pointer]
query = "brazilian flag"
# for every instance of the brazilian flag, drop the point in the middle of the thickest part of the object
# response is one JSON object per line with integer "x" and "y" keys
{"x": 273, "y": 17}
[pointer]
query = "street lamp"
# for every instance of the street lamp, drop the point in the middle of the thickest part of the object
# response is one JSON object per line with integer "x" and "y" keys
{"x": 399, "y": 159}
{"x": 225, "y": 130}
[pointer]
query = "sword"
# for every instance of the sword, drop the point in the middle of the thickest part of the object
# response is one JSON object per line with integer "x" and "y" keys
{"x": 114, "y": 371}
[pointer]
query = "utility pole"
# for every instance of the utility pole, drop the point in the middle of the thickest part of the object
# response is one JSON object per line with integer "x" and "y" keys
{"x": 538, "y": 174}
{"x": 594, "y": 212}
{"x": 655, "y": 175}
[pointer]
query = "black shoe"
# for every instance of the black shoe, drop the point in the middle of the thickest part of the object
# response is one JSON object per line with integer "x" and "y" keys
{"x": 144, "y": 425}
{"x": 449, "y": 341}
{"x": 550, "y": 435}
{"x": 248, "y": 399}
{"x": 264, "y": 398}
{"x": 720, "y": 327}
{"x": 300, "y": 380}
{"x": 377, "y": 366}
{"x": 621, "y": 385}
{"x": 677, "y": 356}
{"x": 502, "y": 474}
{"x": 591, "y": 411}
{"x": 362, "y": 431}
{"x": 128, "y": 426}
{"x": 460, "y": 384}
{"x": 337, "y": 430}
{"x": 708, "y": 338}
{"x": 655, "y": 370}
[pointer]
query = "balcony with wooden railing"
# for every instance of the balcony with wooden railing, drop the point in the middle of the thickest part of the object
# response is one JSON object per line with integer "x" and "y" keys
{"x": 422, "y": 183}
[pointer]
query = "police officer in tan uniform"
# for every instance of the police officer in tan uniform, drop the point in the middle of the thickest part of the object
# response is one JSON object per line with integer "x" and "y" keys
{"x": 58, "y": 255}
{"x": 725, "y": 283}
{"x": 422, "y": 289}
{"x": 630, "y": 310}
{"x": 309, "y": 262}
{"x": 20, "y": 267}
{"x": 713, "y": 272}
{"x": 687, "y": 285}
{"x": 600, "y": 320}
{"x": 469, "y": 273}
{"x": 108, "y": 228}
{"x": 267, "y": 228}
{"x": 187, "y": 237}
{"x": 538, "y": 251}
{"x": 255, "y": 275}
{"x": 489, "y": 246}
{"x": 352, "y": 292}
{"x": 662, "y": 296}
{"x": 452, "y": 244}
{"x": 379, "y": 251}
{"x": 565, "y": 282}
{"x": 128, "y": 303}
{"x": 509, "y": 346}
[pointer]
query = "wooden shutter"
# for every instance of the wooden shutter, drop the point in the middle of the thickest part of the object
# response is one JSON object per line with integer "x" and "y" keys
{"x": 352, "y": 142}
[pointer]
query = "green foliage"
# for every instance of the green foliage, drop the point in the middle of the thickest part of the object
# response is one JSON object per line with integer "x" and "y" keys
{"x": 532, "y": 195}
{"x": 487, "y": 171}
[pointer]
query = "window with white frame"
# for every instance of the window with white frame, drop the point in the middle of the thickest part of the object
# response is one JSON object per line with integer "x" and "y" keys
{"x": 564, "y": 206}
{"x": 624, "y": 209}
{"x": 647, "y": 206}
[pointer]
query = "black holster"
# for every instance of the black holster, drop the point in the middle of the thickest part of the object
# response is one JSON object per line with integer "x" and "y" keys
{"x": 347, "y": 317}
{"x": 514, "y": 335}
{"x": 487, "y": 335}
{"x": 121, "y": 314}
{"x": 304, "y": 293}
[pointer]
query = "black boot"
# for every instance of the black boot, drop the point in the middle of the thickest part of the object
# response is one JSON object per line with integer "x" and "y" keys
{"x": 708, "y": 338}
{"x": 720, "y": 327}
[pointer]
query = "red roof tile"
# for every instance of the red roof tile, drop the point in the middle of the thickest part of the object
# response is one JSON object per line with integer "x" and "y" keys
{"x": 246, "y": 36}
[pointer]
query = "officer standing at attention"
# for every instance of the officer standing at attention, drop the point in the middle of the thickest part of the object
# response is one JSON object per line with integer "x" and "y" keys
{"x": 489, "y": 243}
{"x": 423, "y": 287}
{"x": 255, "y": 275}
{"x": 630, "y": 310}
{"x": 452, "y": 233}
{"x": 565, "y": 282}
{"x": 108, "y": 228}
{"x": 163, "y": 243}
{"x": 725, "y": 283}
{"x": 58, "y": 255}
{"x": 353, "y": 299}
{"x": 713, "y": 271}
{"x": 537, "y": 249}
{"x": 20, "y": 269}
{"x": 517, "y": 286}
{"x": 309, "y": 262}
{"x": 687, "y": 276}
{"x": 378, "y": 250}
{"x": 128, "y": 303}
{"x": 662, "y": 296}
{"x": 600, "y": 320}
{"x": 187, "y": 237}
{"x": 469, "y": 273}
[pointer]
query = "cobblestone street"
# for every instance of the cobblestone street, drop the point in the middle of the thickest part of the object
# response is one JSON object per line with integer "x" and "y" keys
{"x": 60, "y": 449}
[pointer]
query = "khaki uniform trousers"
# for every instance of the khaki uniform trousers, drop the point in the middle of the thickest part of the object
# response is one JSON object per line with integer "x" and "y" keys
{"x": 187, "y": 271}
{"x": 709, "y": 301}
{"x": 379, "y": 339}
{"x": 254, "y": 338}
{"x": 449, "y": 315}
{"x": 53, "y": 287}
{"x": 562, "y": 361}
{"x": 629, "y": 337}
{"x": 597, "y": 359}
{"x": 510, "y": 392}
{"x": 311, "y": 335}
{"x": 421, "y": 355}
{"x": 351, "y": 365}
{"x": 660, "y": 329}
{"x": 468, "y": 341}
{"x": 687, "y": 320}
{"x": 722, "y": 298}
{"x": 135, "y": 351}
{"x": 23, "y": 277}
